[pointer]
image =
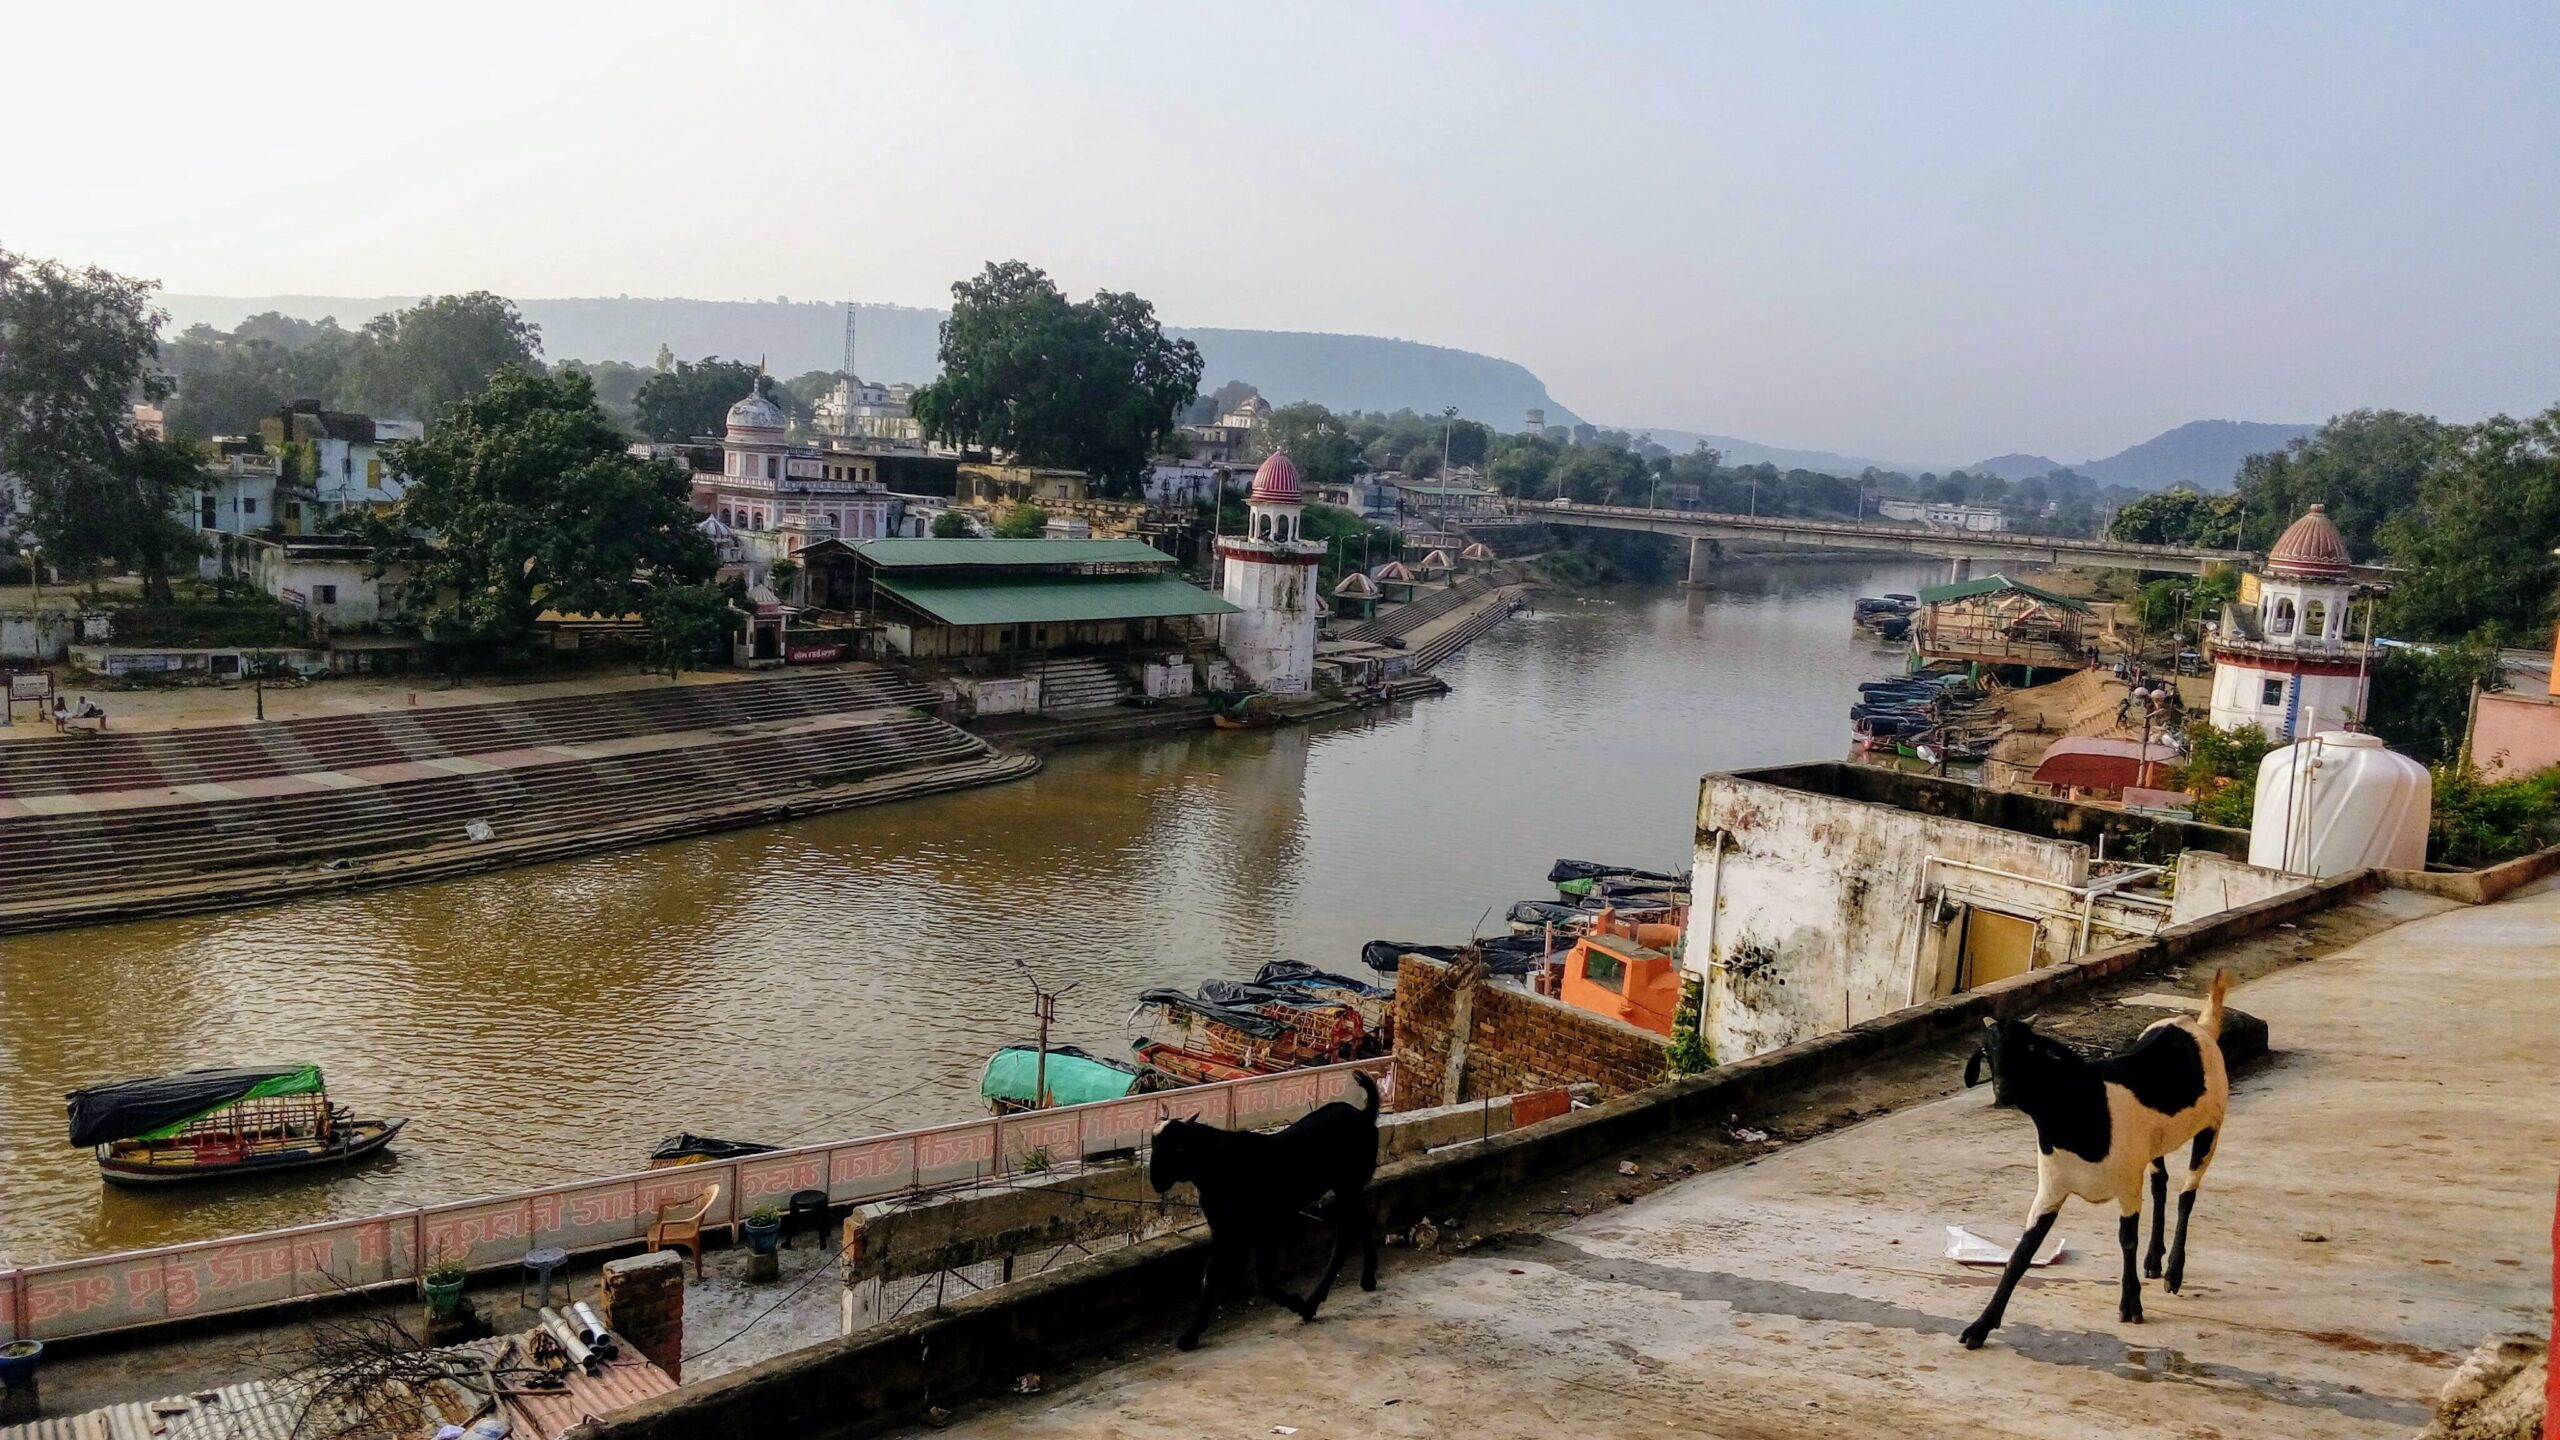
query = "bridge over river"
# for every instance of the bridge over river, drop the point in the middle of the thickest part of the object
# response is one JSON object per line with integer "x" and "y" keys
{"x": 1960, "y": 547}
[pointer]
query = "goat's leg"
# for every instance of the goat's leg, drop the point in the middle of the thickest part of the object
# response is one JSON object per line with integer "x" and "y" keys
{"x": 2159, "y": 1216}
{"x": 1266, "y": 1265}
{"x": 1221, "y": 1258}
{"x": 2207, "y": 1142}
{"x": 1980, "y": 1330}
{"x": 2129, "y": 1234}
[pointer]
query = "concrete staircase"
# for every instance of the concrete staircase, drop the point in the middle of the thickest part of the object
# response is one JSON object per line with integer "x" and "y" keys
{"x": 1073, "y": 683}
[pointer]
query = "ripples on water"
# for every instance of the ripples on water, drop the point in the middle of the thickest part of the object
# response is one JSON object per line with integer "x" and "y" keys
{"x": 849, "y": 973}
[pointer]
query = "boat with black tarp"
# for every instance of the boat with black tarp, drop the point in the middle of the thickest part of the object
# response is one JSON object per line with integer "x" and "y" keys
{"x": 220, "y": 1121}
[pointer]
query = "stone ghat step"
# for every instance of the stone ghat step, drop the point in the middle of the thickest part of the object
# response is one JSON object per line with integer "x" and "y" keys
{"x": 75, "y": 764}
{"x": 1404, "y": 619}
{"x": 67, "y": 854}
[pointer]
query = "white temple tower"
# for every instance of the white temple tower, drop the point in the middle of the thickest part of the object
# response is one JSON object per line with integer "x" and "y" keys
{"x": 2287, "y": 664}
{"x": 1271, "y": 578}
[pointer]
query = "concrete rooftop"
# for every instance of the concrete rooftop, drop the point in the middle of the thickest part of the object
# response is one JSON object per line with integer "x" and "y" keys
{"x": 2381, "y": 1204}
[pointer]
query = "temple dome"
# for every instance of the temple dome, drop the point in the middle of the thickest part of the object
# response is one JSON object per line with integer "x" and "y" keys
{"x": 1276, "y": 483}
{"x": 757, "y": 417}
{"x": 2311, "y": 549}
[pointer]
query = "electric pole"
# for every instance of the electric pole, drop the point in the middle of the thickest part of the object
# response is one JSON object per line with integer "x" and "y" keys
{"x": 1044, "y": 1005}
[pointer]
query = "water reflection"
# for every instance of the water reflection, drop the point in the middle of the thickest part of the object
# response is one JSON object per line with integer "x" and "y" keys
{"x": 850, "y": 972}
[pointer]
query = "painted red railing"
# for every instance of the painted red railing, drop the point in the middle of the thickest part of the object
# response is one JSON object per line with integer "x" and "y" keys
{"x": 139, "y": 1288}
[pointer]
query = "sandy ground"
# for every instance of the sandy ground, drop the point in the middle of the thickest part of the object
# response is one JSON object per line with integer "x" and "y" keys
{"x": 2336, "y": 1273}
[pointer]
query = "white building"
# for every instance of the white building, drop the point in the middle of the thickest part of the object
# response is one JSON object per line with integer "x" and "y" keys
{"x": 1271, "y": 578}
{"x": 1942, "y": 515}
{"x": 325, "y": 577}
{"x": 237, "y": 493}
{"x": 2282, "y": 657}
{"x": 865, "y": 409}
{"x": 776, "y": 498}
{"x": 350, "y": 468}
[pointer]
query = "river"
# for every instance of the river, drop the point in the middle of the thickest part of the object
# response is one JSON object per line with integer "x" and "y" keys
{"x": 848, "y": 973}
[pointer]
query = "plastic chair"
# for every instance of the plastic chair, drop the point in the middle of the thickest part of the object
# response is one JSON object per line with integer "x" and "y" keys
{"x": 683, "y": 1232}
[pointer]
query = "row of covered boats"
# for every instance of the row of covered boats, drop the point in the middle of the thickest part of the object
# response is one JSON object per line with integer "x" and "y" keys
{"x": 1931, "y": 715}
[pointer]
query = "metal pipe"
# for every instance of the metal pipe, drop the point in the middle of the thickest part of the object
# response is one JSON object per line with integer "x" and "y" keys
{"x": 591, "y": 1329}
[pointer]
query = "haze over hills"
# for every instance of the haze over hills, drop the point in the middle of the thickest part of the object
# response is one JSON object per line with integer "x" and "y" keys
{"x": 2204, "y": 454}
{"x": 898, "y": 342}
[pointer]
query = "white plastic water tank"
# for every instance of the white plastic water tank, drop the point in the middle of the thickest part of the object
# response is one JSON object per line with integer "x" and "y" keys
{"x": 2338, "y": 802}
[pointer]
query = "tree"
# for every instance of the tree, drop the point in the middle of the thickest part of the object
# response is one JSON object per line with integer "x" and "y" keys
{"x": 2179, "y": 517}
{"x": 617, "y": 384}
{"x": 1317, "y": 441}
{"x": 521, "y": 498}
{"x": 78, "y": 348}
{"x": 2365, "y": 466}
{"x": 952, "y": 525}
{"x": 420, "y": 360}
{"x": 1022, "y": 522}
{"x": 1093, "y": 386}
{"x": 684, "y": 621}
{"x": 2475, "y": 548}
{"x": 693, "y": 398}
{"x": 2421, "y": 700}
{"x": 2221, "y": 770}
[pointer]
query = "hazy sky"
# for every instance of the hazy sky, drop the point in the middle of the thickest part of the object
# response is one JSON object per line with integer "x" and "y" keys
{"x": 1927, "y": 232}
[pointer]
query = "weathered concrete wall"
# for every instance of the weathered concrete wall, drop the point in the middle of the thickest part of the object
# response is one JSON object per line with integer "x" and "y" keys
{"x": 1515, "y": 1041}
{"x": 38, "y": 639}
{"x": 2515, "y": 733}
{"x": 1816, "y": 915}
{"x": 2209, "y": 884}
{"x": 868, "y": 1384}
{"x": 2115, "y": 834}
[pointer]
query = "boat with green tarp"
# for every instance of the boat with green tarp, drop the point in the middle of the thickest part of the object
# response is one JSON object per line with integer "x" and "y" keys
{"x": 219, "y": 1121}
{"x": 1013, "y": 1078}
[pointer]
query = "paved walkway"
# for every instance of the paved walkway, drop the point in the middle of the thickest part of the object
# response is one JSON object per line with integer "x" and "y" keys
{"x": 2381, "y": 1205}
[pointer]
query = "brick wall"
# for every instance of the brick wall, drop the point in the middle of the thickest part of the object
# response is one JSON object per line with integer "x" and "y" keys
{"x": 1516, "y": 1041}
{"x": 644, "y": 1304}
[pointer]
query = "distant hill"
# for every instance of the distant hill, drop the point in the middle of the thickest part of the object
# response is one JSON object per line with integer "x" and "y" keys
{"x": 2204, "y": 454}
{"x": 898, "y": 342}
{"x": 1738, "y": 451}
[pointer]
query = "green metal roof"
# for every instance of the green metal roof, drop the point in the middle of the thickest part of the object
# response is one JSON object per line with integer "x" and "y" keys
{"x": 921, "y": 554}
{"x": 1015, "y": 600}
{"x": 1989, "y": 584}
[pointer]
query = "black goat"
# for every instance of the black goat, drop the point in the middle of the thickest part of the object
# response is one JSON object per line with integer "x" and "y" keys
{"x": 1251, "y": 1185}
{"x": 2100, "y": 1124}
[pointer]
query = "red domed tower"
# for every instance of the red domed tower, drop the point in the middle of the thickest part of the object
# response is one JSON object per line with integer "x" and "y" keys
{"x": 2286, "y": 664}
{"x": 1271, "y": 578}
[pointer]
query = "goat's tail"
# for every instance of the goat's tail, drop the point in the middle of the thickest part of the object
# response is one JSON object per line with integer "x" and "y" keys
{"x": 2209, "y": 1019}
{"x": 1370, "y": 1109}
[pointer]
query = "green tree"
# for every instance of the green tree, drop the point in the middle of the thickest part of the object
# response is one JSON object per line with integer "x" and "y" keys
{"x": 1092, "y": 385}
{"x": 1022, "y": 522}
{"x": 522, "y": 497}
{"x": 693, "y": 398}
{"x": 78, "y": 348}
{"x": 952, "y": 525}
{"x": 685, "y": 621}
{"x": 2365, "y": 466}
{"x": 2221, "y": 770}
{"x": 2179, "y": 517}
{"x": 421, "y": 360}
{"x": 2475, "y": 548}
{"x": 2422, "y": 694}
{"x": 617, "y": 385}
{"x": 1318, "y": 443}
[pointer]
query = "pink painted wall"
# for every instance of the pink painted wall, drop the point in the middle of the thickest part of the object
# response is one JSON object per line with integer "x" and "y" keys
{"x": 2525, "y": 727}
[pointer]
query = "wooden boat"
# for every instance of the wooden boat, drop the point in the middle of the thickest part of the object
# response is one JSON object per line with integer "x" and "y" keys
{"x": 1225, "y": 721}
{"x": 213, "y": 1123}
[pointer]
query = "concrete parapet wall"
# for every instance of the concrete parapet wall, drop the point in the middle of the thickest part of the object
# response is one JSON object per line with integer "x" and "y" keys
{"x": 883, "y": 1379}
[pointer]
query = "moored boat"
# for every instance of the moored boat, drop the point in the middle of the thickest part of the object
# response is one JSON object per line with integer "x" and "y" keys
{"x": 219, "y": 1122}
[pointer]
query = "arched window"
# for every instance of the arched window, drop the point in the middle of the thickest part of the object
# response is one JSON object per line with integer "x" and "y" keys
{"x": 2315, "y": 620}
{"x": 2280, "y": 619}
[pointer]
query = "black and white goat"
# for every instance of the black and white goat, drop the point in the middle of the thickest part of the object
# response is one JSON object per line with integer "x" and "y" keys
{"x": 2100, "y": 1124}
{"x": 1253, "y": 1186}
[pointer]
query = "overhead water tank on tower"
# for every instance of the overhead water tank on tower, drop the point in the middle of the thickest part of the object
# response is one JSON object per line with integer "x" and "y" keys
{"x": 2339, "y": 802}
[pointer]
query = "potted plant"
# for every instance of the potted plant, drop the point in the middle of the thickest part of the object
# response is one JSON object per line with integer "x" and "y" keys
{"x": 442, "y": 1281}
{"x": 764, "y": 1229}
{"x": 18, "y": 1363}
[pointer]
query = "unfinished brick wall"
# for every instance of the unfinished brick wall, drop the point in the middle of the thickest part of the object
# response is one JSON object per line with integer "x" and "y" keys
{"x": 1516, "y": 1041}
{"x": 644, "y": 1304}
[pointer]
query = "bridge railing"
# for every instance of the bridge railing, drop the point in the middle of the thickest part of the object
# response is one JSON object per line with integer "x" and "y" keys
{"x": 2021, "y": 539}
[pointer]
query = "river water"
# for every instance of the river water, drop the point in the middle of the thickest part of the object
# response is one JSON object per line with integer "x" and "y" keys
{"x": 849, "y": 973}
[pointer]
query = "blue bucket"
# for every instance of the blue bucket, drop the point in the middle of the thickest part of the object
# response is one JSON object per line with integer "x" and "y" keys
{"x": 18, "y": 1363}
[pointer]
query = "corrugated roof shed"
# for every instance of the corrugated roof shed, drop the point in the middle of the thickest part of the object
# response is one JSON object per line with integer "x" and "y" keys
{"x": 926, "y": 553}
{"x": 1992, "y": 584}
{"x": 1003, "y": 600}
